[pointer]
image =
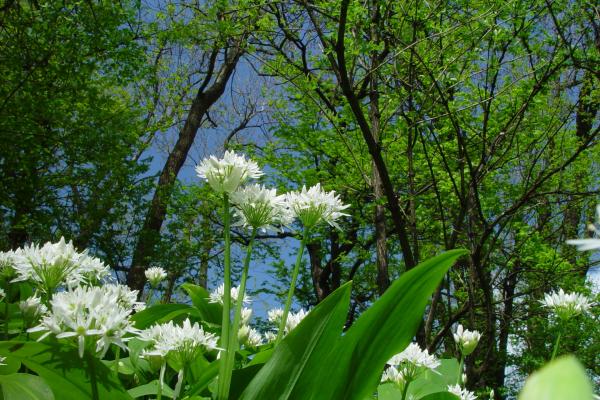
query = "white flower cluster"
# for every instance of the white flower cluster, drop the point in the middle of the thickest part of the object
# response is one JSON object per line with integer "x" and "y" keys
{"x": 407, "y": 365}
{"x": 155, "y": 276}
{"x": 591, "y": 243}
{"x": 247, "y": 335}
{"x": 55, "y": 265}
{"x": 466, "y": 340}
{"x": 89, "y": 313}
{"x": 32, "y": 309}
{"x": 225, "y": 175}
{"x": 566, "y": 305}
{"x": 216, "y": 296}
{"x": 462, "y": 394}
{"x": 292, "y": 321}
{"x": 183, "y": 342}
{"x": 313, "y": 205}
{"x": 261, "y": 208}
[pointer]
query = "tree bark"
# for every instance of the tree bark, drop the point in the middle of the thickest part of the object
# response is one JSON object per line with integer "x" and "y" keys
{"x": 150, "y": 232}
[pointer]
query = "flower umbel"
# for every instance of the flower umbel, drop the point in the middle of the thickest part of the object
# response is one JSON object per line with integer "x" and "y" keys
{"x": 57, "y": 264}
{"x": 260, "y": 208}
{"x": 466, "y": 340}
{"x": 216, "y": 296}
{"x": 225, "y": 175}
{"x": 463, "y": 394}
{"x": 88, "y": 312}
{"x": 566, "y": 305}
{"x": 413, "y": 361}
{"x": 155, "y": 276}
{"x": 184, "y": 342}
{"x": 292, "y": 321}
{"x": 314, "y": 205}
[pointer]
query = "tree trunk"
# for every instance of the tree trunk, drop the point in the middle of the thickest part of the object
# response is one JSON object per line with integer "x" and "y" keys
{"x": 150, "y": 233}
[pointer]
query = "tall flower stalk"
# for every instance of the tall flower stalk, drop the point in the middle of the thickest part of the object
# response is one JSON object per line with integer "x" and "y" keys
{"x": 233, "y": 337}
{"x": 288, "y": 302}
{"x": 225, "y": 176}
{"x": 225, "y": 369}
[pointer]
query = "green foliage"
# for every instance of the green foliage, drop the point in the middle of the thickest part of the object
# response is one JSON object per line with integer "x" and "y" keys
{"x": 563, "y": 378}
{"x": 25, "y": 387}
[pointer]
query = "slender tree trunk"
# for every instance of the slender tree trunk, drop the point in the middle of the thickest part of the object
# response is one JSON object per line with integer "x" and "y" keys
{"x": 150, "y": 232}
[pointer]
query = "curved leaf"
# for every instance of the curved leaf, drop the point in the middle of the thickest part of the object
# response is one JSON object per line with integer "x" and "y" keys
{"x": 24, "y": 387}
{"x": 161, "y": 313}
{"x": 385, "y": 329}
{"x": 209, "y": 312}
{"x": 295, "y": 361}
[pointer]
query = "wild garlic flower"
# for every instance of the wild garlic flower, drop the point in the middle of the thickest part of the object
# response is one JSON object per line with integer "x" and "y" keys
{"x": 2, "y": 360}
{"x": 566, "y": 305}
{"x": 246, "y": 315}
{"x": 466, "y": 340}
{"x": 462, "y": 394}
{"x": 270, "y": 336}
{"x": 249, "y": 336}
{"x": 216, "y": 296}
{"x": 2, "y": 294}
{"x": 7, "y": 270}
{"x": 413, "y": 361}
{"x": 88, "y": 314}
{"x": 184, "y": 343}
{"x": 225, "y": 175}
{"x": 260, "y": 208}
{"x": 124, "y": 296}
{"x": 155, "y": 276}
{"x": 292, "y": 321}
{"x": 57, "y": 264}
{"x": 391, "y": 374}
{"x": 314, "y": 205}
{"x": 32, "y": 309}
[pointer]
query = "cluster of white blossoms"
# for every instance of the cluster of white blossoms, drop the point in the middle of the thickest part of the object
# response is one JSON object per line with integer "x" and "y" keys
{"x": 261, "y": 208}
{"x": 155, "y": 276}
{"x": 409, "y": 364}
{"x": 32, "y": 309}
{"x": 461, "y": 393}
{"x": 292, "y": 321}
{"x": 183, "y": 342}
{"x": 466, "y": 340}
{"x": 227, "y": 174}
{"x": 216, "y": 296}
{"x": 56, "y": 265}
{"x": 566, "y": 305}
{"x": 313, "y": 205}
{"x": 89, "y": 314}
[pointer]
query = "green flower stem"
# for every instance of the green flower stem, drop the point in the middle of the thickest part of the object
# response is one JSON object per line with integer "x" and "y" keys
{"x": 460, "y": 369}
{"x": 179, "y": 384}
{"x": 290, "y": 295}
{"x": 93, "y": 378}
{"x": 405, "y": 390}
{"x": 237, "y": 316}
{"x": 556, "y": 345}
{"x": 117, "y": 358}
{"x": 150, "y": 295}
{"x": 6, "y": 317}
{"x": 224, "y": 368}
{"x": 161, "y": 378}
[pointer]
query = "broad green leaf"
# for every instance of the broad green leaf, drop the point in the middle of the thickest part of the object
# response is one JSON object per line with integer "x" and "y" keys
{"x": 67, "y": 375}
{"x": 240, "y": 380}
{"x": 150, "y": 389}
{"x": 209, "y": 312}
{"x": 385, "y": 329}
{"x": 24, "y": 387}
{"x": 161, "y": 313}
{"x": 561, "y": 379}
{"x": 294, "y": 365}
{"x": 12, "y": 365}
{"x": 205, "y": 379}
{"x": 431, "y": 382}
